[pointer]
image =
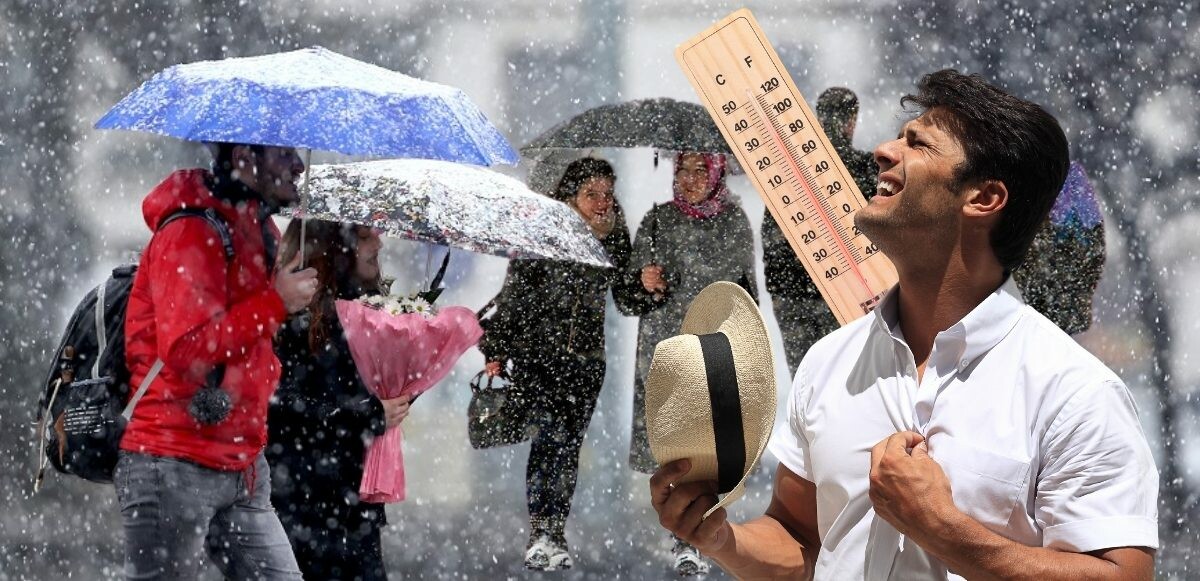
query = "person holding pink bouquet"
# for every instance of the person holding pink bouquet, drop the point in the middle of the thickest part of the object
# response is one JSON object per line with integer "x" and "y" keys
{"x": 323, "y": 416}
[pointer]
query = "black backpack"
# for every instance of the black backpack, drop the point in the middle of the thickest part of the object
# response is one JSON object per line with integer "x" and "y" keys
{"x": 82, "y": 411}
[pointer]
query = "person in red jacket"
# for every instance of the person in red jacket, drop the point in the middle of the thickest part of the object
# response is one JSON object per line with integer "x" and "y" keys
{"x": 188, "y": 486}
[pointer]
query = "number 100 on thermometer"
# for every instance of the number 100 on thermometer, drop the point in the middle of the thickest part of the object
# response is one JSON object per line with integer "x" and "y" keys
{"x": 786, "y": 155}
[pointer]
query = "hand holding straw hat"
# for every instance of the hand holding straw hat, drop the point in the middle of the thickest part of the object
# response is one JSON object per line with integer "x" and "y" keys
{"x": 710, "y": 393}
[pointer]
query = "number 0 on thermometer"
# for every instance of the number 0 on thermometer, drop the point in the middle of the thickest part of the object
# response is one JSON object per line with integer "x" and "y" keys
{"x": 786, "y": 155}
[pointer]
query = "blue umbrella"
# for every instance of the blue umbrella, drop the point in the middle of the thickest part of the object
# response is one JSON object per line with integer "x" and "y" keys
{"x": 315, "y": 99}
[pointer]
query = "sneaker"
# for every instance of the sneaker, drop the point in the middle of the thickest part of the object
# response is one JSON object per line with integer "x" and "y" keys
{"x": 688, "y": 562}
{"x": 547, "y": 554}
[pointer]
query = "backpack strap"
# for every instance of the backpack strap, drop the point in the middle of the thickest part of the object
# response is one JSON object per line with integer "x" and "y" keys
{"x": 101, "y": 329}
{"x": 211, "y": 216}
{"x": 40, "y": 474}
{"x": 141, "y": 390}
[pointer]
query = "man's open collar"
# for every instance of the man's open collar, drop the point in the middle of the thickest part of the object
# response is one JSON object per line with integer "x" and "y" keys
{"x": 982, "y": 328}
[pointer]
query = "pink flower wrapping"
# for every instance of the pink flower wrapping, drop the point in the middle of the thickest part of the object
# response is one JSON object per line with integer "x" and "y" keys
{"x": 401, "y": 355}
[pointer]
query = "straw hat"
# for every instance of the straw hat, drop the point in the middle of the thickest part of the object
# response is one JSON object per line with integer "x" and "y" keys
{"x": 716, "y": 377}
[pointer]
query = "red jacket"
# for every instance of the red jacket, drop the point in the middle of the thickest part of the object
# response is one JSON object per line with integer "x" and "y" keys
{"x": 194, "y": 311}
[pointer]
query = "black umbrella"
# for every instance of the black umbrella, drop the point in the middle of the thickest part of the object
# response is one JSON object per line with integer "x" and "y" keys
{"x": 661, "y": 123}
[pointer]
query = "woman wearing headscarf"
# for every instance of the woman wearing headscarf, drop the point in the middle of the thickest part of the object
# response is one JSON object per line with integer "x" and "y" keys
{"x": 322, "y": 417}
{"x": 549, "y": 322}
{"x": 699, "y": 237}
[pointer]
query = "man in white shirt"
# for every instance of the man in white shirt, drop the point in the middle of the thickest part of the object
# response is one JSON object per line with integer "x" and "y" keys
{"x": 954, "y": 432}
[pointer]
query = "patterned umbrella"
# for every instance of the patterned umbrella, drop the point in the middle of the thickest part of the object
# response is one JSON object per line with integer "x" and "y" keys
{"x": 451, "y": 205}
{"x": 1063, "y": 267}
{"x": 312, "y": 99}
{"x": 658, "y": 123}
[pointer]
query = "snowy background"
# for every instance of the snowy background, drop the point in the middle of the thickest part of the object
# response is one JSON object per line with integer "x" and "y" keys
{"x": 1121, "y": 76}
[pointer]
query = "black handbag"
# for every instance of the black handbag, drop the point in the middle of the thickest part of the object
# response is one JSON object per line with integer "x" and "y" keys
{"x": 495, "y": 417}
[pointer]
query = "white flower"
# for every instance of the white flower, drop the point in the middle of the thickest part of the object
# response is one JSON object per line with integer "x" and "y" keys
{"x": 396, "y": 306}
{"x": 421, "y": 306}
{"x": 400, "y": 305}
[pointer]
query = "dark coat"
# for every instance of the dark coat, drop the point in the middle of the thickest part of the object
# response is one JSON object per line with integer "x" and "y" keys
{"x": 321, "y": 420}
{"x": 1061, "y": 272}
{"x": 694, "y": 253}
{"x": 550, "y": 309}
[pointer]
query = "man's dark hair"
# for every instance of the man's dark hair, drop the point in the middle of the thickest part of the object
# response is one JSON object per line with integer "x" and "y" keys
{"x": 1006, "y": 139}
{"x": 836, "y": 107}
{"x": 581, "y": 170}
{"x": 222, "y": 166}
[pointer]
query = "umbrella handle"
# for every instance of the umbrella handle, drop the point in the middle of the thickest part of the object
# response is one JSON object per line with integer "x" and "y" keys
{"x": 441, "y": 273}
{"x": 304, "y": 202}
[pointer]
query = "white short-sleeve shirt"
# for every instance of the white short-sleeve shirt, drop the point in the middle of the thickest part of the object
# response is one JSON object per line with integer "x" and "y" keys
{"x": 1040, "y": 441}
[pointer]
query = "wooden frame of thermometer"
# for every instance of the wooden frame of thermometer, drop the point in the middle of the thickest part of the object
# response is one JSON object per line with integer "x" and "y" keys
{"x": 785, "y": 153}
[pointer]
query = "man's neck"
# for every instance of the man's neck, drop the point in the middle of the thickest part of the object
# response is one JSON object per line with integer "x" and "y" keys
{"x": 933, "y": 301}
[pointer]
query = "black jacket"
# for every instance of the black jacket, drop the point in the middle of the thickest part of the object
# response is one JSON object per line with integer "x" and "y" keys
{"x": 548, "y": 309}
{"x": 319, "y": 424}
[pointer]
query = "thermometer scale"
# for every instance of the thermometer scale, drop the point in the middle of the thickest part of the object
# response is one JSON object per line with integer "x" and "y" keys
{"x": 785, "y": 153}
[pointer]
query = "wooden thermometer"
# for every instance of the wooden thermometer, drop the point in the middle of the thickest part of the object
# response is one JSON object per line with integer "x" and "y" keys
{"x": 786, "y": 155}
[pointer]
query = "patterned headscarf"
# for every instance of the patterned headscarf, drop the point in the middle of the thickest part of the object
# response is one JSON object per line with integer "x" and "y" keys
{"x": 718, "y": 195}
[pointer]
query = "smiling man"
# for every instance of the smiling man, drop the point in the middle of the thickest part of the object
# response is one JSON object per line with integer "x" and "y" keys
{"x": 954, "y": 432}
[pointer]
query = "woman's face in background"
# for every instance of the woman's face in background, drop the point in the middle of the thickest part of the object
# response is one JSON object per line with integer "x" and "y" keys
{"x": 594, "y": 200}
{"x": 692, "y": 176}
{"x": 366, "y": 255}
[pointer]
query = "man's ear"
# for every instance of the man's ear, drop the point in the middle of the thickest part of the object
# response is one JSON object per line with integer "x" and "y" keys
{"x": 986, "y": 200}
{"x": 243, "y": 158}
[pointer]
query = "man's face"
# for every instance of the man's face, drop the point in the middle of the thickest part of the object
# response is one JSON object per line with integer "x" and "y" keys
{"x": 275, "y": 173}
{"x": 916, "y": 202}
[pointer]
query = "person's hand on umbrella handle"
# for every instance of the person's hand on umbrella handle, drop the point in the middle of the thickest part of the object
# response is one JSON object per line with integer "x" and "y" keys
{"x": 395, "y": 410}
{"x": 493, "y": 368}
{"x": 297, "y": 289}
{"x": 653, "y": 281}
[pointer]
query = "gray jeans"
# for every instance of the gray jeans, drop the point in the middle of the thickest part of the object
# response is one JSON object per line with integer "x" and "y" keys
{"x": 175, "y": 511}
